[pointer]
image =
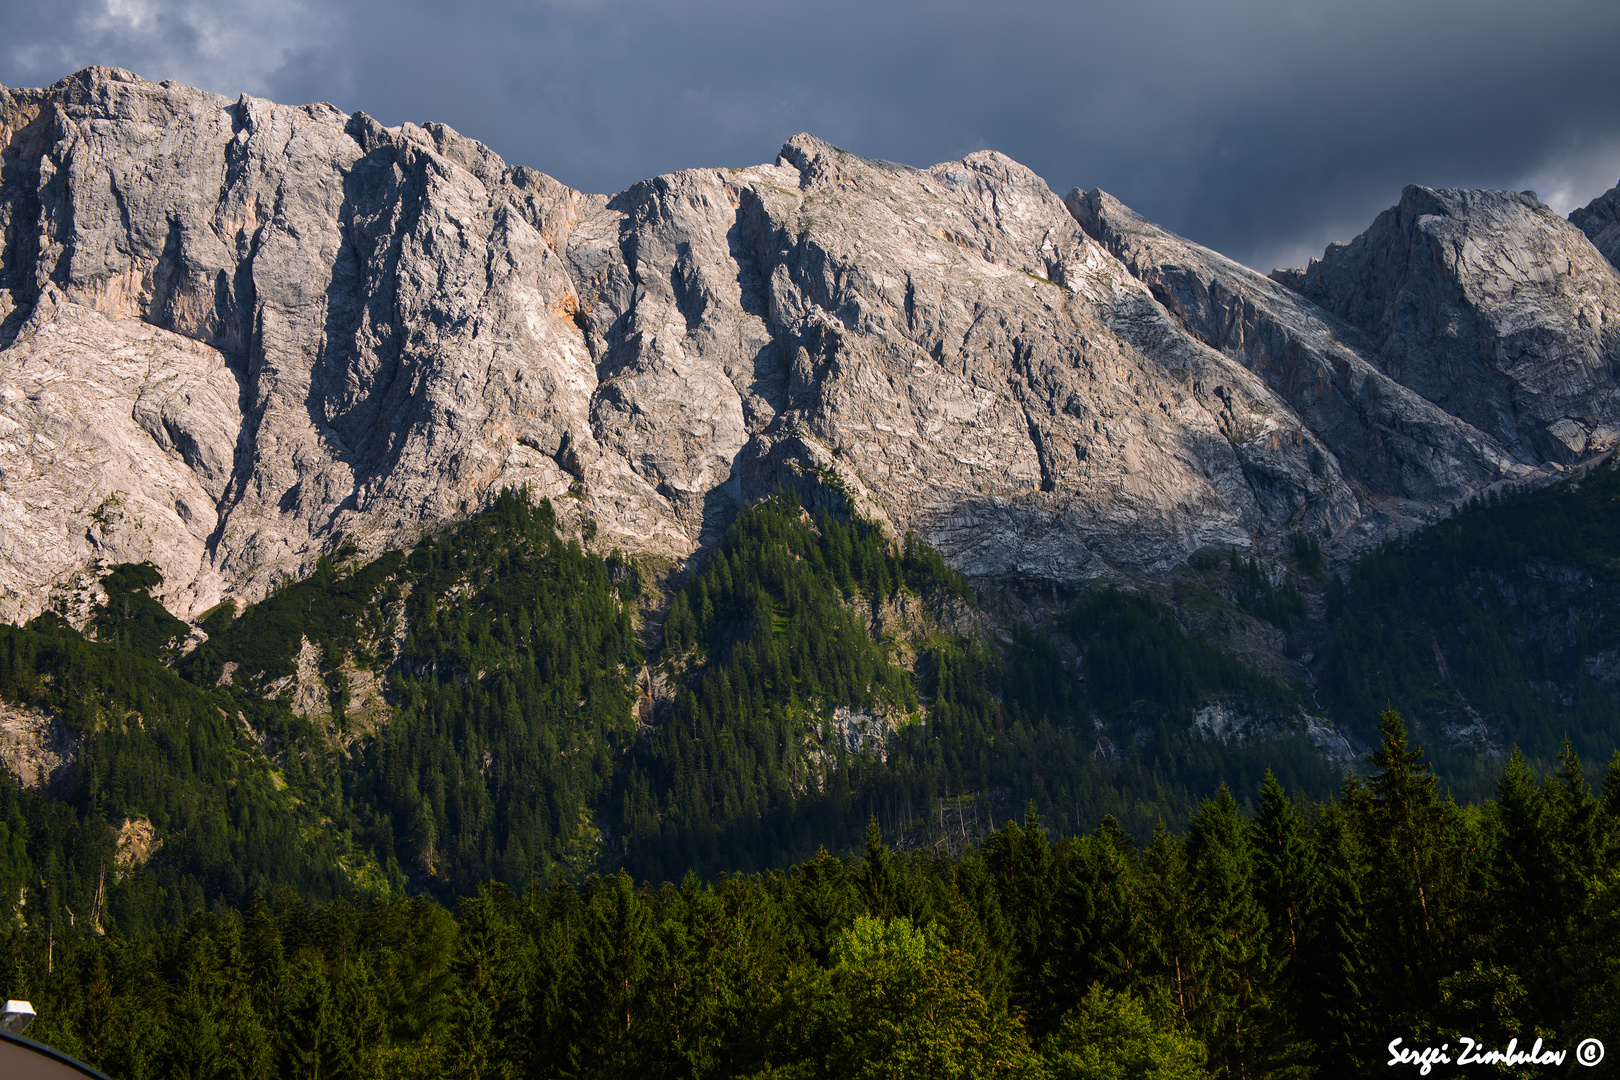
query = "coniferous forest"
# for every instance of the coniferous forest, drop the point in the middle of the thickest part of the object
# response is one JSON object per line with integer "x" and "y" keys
{"x": 502, "y": 805}
{"x": 1295, "y": 940}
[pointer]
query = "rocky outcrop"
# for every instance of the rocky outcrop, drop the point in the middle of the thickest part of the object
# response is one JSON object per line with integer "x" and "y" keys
{"x": 117, "y": 443}
{"x": 1490, "y": 306}
{"x": 1390, "y": 439}
{"x": 937, "y": 348}
{"x": 397, "y": 329}
{"x": 1224, "y": 723}
{"x": 1600, "y": 221}
{"x": 138, "y": 841}
{"x": 37, "y": 747}
{"x": 238, "y": 334}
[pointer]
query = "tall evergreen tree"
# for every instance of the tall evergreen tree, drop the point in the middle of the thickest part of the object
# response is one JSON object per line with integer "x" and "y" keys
{"x": 1334, "y": 1001}
{"x": 1609, "y": 821}
{"x": 1020, "y": 858}
{"x": 1419, "y": 858}
{"x": 1287, "y": 879}
{"x": 1240, "y": 1019}
{"x": 824, "y": 901}
{"x": 1171, "y": 941}
{"x": 1543, "y": 866}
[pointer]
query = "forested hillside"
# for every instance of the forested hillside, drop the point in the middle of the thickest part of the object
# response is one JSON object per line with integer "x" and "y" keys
{"x": 1498, "y": 627}
{"x": 1293, "y": 941}
{"x": 496, "y": 704}
{"x": 391, "y": 820}
{"x": 158, "y": 750}
{"x": 480, "y": 709}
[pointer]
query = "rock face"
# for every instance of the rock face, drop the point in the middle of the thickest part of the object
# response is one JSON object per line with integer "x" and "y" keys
{"x": 117, "y": 443}
{"x": 1600, "y": 221}
{"x": 1392, "y": 441}
{"x": 37, "y": 747}
{"x": 237, "y": 335}
{"x": 1490, "y": 306}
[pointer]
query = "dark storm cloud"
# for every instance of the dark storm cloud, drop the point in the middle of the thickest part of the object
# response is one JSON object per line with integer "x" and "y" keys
{"x": 1262, "y": 128}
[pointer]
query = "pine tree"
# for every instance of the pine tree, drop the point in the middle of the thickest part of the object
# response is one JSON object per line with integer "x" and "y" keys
{"x": 1287, "y": 881}
{"x": 1336, "y": 983}
{"x": 1096, "y": 911}
{"x": 878, "y": 877}
{"x": 1171, "y": 941}
{"x": 1420, "y": 860}
{"x": 1543, "y": 868}
{"x": 1523, "y": 859}
{"x": 1580, "y": 827}
{"x": 824, "y": 902}
{"x": 1239, "y": 1018}
{"x": 1020, "y": 859}
{"x": 1609, "y": 821}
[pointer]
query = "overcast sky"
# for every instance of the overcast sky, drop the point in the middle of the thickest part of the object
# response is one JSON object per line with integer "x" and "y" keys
{"x": 1263, "y": 128}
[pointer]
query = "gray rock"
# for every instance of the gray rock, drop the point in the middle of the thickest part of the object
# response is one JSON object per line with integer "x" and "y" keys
{"x": 1600, "y": 221}
{"x": 1491, "y": 306}
{"x": 116, "y": 445}
{"x": 1388, "y": 438}
{"x": 384, "y": 304}
{"x": 939, "y": 345}
{"x": 37, "y": 747}
{"x": 235, "y": 335}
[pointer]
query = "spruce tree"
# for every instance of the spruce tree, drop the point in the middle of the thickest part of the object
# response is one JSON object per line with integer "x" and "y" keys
{"x": 1171, "y": 946}
{"x": 1523, "y": 863}
{"x": 1544, "y": 865}
{"x": 878, "y": 877}
{"x": 1609, "y": 821}
{"x": 1419, "y": 860}
{"x": 1020, "y": 858}
{"x": 1097, "y": 911}
{"x": 1287, "y": 881}
{"x": 1337, "y": 983}
{"x": 1239, "y": 1016}
{"x": 824, "y": 902}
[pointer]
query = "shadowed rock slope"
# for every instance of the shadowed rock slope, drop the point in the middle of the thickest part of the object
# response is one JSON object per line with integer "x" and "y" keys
{"x": 238, "y": 335}
{"x": 1492, "y": 307}
{"x": 1600, "y": 221}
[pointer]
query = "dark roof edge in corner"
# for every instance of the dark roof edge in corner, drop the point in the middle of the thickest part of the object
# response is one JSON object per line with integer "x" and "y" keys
{"x": 19, "y": 1044}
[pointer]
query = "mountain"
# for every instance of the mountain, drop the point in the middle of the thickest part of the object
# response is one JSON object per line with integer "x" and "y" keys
{"x": 1600, "y": 221}
{"x": 240, "y": 335}
{"x": 379, "y": 514}
{"x": 1492, "y": 307}
{"x": 387, "y": 531}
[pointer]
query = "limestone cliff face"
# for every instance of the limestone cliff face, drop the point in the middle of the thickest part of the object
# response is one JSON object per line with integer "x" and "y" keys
{"x": 237, "y": 335}
{"x": 383, "y": 320}
{"x": 1492, "y": 307}
{"x": 1600, "y": 221}
{"x": 1391, "y": 440}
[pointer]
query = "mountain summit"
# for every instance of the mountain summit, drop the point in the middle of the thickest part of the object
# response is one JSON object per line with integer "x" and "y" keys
{"x": 239, "y": 335}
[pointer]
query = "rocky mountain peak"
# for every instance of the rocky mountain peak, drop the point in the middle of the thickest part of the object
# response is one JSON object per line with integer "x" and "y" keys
{"x": 235, "y": 335}
{"x": 1491, "y": 306}
{"x": 1600, "y": 221}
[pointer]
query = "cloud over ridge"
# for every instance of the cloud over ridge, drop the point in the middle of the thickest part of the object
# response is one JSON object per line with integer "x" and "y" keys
{"x": 1263, "y": 128}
